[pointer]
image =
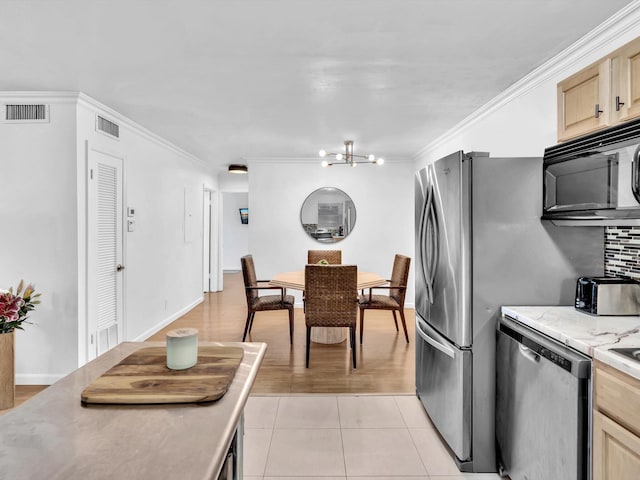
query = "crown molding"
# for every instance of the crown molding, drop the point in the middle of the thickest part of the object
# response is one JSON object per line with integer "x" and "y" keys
{"x": 79, "y": 98}
{"x": 623, "y": 21}
{"x": 139, "y": 129}
{"x": 50, "y": 97}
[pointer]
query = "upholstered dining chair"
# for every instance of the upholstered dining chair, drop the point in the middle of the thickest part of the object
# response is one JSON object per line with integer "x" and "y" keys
{"x": 333, "y": 257}
{"x": 332, "y": 300}
{"x": 394, "y": 299}
{"x": 257, "y": 303}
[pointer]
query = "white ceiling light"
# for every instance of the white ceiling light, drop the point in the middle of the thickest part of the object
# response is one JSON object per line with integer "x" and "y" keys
{"x": 348, "y": 157}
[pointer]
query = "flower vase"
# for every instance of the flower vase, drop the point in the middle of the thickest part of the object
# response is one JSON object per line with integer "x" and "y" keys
{"x": 7, "y": 376}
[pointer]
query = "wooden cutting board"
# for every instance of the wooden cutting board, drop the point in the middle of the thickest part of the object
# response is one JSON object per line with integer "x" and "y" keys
{"x": 143, "y": 378}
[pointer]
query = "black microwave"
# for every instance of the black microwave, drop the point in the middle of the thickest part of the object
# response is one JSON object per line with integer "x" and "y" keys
{"x": 594, "y": 178}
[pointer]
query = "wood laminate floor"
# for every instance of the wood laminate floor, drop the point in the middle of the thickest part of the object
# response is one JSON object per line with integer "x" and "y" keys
{"x": 385, "y": 362}
{"x": 24, "y": 393}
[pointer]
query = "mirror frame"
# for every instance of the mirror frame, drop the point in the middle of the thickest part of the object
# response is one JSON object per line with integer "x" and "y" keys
{"x": 329, "y": 236}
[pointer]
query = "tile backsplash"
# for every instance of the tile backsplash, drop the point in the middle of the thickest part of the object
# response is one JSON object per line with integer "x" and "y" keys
{"x": 622, "y": 252}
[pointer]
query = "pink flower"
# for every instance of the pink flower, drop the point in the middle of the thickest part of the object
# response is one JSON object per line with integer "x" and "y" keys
{"x": 10, "y": 306}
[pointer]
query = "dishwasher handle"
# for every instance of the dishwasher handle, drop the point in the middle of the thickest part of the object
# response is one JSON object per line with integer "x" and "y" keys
{"x": 529, "y": 354}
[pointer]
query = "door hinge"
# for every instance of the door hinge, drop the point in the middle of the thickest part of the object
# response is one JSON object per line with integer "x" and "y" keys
{"x": 91, "y": 174}
{"x": 91, "y": 337}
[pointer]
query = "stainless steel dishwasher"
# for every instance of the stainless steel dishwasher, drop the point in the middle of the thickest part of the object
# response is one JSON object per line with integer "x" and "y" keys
{"x": 542, "y": 406}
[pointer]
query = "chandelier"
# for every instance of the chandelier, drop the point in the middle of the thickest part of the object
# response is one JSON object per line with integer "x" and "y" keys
{"x": 347, "y": 158}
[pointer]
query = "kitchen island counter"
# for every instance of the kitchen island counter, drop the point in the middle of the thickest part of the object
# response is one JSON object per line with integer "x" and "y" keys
{"x": 55, "y": 436}
{"x": 589, "y": 334}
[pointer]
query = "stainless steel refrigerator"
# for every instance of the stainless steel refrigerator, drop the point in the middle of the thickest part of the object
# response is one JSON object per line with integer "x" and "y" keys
{"x": 480, "y": 244}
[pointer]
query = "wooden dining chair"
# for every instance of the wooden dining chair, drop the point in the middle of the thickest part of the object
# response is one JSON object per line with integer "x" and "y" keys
{"x": 394, "y": 300}
{"x": 332, "y": 300}
{"x": 333, "y": 257}
{"x": 257, "y": 303}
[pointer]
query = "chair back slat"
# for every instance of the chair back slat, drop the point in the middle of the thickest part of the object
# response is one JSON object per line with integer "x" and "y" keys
{"x": 399, "y": 278}
{"x": 250, "y": 279}
{"x": 334, "y": 257}
{"x": 331, "y": 295}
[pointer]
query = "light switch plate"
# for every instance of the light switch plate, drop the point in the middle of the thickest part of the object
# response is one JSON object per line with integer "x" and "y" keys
{"x": 131, "y": 225}
{"x": 131, "y": 211}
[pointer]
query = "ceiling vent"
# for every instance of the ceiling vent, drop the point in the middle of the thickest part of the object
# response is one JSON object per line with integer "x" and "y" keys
{"x": 26, "y": 113}
{"x": 107, "y": 127}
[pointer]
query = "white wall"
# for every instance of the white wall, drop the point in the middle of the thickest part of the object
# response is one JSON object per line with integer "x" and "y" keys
{"x": 233, "y": 182}
{"x": 235, "y": 241}
{"x": 38, "y": 236}
{"x": 44, "y": 202}
{"x": 522, "y": 121}
{"x": 163, "y": 274}
{"x": 383, "y": 197}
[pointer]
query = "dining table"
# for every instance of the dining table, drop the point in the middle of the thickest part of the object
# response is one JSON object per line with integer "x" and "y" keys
{"x": 295, "y": 280}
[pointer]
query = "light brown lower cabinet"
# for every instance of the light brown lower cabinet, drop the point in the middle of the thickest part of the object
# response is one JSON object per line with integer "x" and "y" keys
{"x": 616, "y": 425}
{"x": 616, "y": 451}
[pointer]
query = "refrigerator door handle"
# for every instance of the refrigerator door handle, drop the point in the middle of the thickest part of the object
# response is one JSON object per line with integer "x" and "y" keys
{"x": 433, "y": 339}
{"x": 435, "y": 250}
{"x": 424, "y": 249}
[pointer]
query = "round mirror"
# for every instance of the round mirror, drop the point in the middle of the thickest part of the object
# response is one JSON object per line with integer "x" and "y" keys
{"x": 328, "y": 215}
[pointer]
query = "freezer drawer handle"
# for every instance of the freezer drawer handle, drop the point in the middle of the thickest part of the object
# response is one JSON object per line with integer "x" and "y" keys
{"x": 446, "y": 349}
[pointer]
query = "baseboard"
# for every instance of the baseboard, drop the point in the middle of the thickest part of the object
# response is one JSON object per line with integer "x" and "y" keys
{"x": 37, "y": 379}
{"x": 156, "y": 328}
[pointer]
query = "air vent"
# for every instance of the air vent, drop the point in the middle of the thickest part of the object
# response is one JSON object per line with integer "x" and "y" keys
{"x": 107, "y": 127}
{"x": 26, "y": 113}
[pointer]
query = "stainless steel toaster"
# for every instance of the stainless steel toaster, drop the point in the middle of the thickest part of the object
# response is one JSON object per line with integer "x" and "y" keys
{"x": 608, "y": 296}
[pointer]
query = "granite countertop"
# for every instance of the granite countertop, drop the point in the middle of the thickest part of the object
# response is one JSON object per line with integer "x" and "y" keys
{"x": 588, "y": 334}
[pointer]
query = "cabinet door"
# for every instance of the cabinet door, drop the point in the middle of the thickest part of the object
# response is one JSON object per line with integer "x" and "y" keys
{"x": 583, "y": 101}
{"x": 626, "y": 99}
{"x": 617, "y": 395}
{"x": 616, "y": 451}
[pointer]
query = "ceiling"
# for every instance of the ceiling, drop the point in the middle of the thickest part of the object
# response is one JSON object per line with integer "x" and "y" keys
{"x": 232, "y": 80}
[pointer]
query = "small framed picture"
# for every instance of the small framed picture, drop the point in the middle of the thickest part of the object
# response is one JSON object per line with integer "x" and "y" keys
{"x": 244, "y": 215}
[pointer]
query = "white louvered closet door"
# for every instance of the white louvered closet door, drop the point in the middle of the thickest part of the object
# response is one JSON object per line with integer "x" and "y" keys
{"x": 105, "y": 264}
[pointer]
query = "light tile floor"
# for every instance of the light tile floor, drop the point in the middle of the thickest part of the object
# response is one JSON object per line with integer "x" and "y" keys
{"x": 366, "y": 437}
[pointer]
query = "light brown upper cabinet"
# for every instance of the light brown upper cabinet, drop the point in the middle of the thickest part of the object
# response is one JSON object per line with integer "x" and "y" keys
{"x": 603, "y": 94}
{"x": 582, "y": 101}
{"x": 626, "y": 76}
